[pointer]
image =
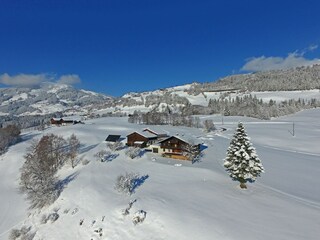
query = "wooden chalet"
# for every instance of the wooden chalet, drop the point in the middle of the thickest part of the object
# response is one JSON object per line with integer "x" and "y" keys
{"x": 159, "y": 135}
{"x": 174, "y": 147}
{"x": 141, "y": 139}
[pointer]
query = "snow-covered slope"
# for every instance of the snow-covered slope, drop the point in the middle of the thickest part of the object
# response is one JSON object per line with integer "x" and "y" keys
{"x": 160, "y": 100}
{"x": 49, "y": 98}
{"x": 182, "y": 200}
{"x": 279, "y": 85}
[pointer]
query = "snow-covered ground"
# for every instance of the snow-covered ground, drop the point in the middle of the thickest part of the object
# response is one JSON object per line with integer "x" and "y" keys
{"x": 182, "y": 200}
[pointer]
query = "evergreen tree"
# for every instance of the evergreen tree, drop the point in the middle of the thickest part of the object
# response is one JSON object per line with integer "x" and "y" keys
{"x": 242, "y": 162}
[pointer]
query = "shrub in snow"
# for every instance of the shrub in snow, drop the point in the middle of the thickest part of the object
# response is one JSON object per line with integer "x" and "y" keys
{"x": 139, "y": 217}
{"x": 56, "y": 209}
{"x": 208, "y": 125}
{"x": 14, "y": 234}
{"x": 53, "y": 217}
{"x": 116, "y": 146}
{"x": 133, "y": 152}
{"x": 74, "y": 211}
{"x": 22, "y": 234}
{"x": 127, "y": 210}
{"x": 242, "y": 162}
{"x": 85, "y": 162}
{"x": 126, "y": 183}
{"x": 81, "y": 221}
{"x": 100, "y": 155}
{"x": 44, "y": 219}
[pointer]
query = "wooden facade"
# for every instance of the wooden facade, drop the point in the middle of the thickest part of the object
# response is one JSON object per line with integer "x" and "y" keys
{"x": 174, "y": 147}
{"x": 136, "y": 139}
{"x": 159, "y": 135}
{"x": 61, "y": 121}
{"x": 171, "y": 147}
{"x": 56, "y": 121}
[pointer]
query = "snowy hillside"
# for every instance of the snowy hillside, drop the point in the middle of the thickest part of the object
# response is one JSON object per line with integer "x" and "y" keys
{"x": 278, "y": 85}
{"x": 181, "y": 200}
{"x": 281, "y": 85}
{"x": 48, "y": 99}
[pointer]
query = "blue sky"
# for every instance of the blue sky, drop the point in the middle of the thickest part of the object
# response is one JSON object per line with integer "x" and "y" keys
{"x": 117, "y": 46}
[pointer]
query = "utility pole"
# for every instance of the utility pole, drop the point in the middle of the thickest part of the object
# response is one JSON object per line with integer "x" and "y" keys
{"x": 293, "y": 129}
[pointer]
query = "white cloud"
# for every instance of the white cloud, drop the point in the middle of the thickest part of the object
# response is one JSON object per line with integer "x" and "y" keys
{"x": 24, "y": 80}
{"x": 295, "y": 59}
{"x": 69, "y": 79}
{"x": 313, "y": 47}
{"x": 34, "y": 80}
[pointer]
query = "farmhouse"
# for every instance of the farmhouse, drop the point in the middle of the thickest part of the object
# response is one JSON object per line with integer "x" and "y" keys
{"x": 144, "y": 138}
{"x": 173, "y": 147}
{"x": 167, "y": 146}
{"x": 61, "y": 121}
{"x": 159, "y": 135}
{"x": 141, "y": 139}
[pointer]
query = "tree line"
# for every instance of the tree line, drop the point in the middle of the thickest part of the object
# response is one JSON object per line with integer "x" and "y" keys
{"x": 8, "y": 136}
{"x": 251, "y": 106}
{"x": 247, "y": 105}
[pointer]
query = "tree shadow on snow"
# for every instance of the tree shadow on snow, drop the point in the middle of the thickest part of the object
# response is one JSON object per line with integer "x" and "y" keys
{"x": 110, "y": 158}
{"x": 141, "y": 153}
{"x": 27, "y": 136}
{"x": 61, "y": 184}
{"x": 138, "y": 182}
{"x": 84, "y": 148}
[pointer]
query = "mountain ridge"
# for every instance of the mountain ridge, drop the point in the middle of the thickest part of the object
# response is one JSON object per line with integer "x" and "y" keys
{"x": 59, "y": 99}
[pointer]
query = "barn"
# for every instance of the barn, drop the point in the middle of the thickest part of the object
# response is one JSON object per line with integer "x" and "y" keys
{"x": 141, "y": 139}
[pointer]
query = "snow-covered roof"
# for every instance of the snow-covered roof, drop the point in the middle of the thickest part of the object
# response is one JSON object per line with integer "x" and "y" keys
{"x": 56, "y": 119}
{"x": 138, "y": 142}
{"x": 190, "y": 141}
{"x": 183, "y": 140}
{"x": 147, "y": 134}
{"x": 149, "y": 130}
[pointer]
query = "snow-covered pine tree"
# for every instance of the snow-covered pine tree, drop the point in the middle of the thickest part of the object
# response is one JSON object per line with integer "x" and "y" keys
{"x": 242, "y": 162}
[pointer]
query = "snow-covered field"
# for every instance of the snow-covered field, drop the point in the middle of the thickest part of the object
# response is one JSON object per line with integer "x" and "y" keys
{"x": 182, "y": 200}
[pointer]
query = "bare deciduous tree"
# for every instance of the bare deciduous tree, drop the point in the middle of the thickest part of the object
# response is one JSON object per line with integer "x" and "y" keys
{"x": 209, "y": 125}
{"x": 116, "y": 146}
{"x": 74, "y": 145}
{"x": 133, "y": 152}
{"x": 38, "y": 174}
{"x": 8, "y": 136}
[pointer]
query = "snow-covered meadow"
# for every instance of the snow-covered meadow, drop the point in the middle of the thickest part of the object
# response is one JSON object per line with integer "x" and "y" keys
{"x": 181, "y": 200}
